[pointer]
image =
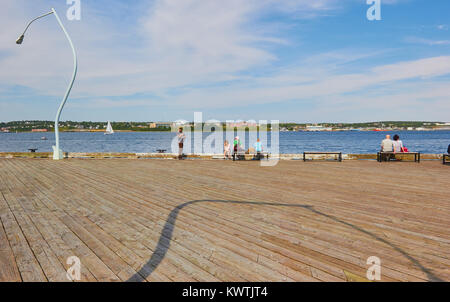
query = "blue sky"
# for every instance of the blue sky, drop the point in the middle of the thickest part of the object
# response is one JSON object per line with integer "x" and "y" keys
{"x": 290, "y": 60}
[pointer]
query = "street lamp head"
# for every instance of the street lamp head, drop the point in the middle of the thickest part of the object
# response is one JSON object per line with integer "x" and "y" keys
{"x": 20, "y": 39}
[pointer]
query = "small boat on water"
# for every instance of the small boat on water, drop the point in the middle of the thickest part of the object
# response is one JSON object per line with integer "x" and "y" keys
{"x": 109, "y": 129}
{"x": 44, "y": 138}
{"x": 379, "y": 130}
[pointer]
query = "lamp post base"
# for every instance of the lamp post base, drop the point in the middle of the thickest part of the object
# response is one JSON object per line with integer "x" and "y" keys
{"x": 57, "y": 154}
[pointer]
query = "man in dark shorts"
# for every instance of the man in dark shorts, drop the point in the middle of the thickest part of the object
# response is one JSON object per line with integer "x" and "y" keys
{"x": 237, "y": 146}
{"x": 181, "y": 138}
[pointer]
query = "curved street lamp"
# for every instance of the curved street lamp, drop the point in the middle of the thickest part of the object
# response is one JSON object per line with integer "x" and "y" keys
{"x": 57, "y": 152}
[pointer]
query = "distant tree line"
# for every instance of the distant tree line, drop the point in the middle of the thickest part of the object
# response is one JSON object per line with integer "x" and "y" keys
{"x": 26, "y": 126}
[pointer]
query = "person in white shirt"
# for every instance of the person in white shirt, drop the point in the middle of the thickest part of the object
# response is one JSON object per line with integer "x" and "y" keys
{"x": 181, "y": 138}
{"x": 226, "y": 150}
{"x": 397, "y": 144}
{"x": 387, "y": 144}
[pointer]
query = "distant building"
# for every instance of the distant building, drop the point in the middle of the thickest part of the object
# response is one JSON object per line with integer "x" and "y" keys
{"x": 164, "y": 125}
{"x": 39, "y": 130}
{"x": 317, "y": 128}
{"x": 242, "y": 124}
{"x": 154, "y": 125}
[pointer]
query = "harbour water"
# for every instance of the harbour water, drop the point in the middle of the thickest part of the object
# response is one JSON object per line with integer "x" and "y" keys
{"x": 361, "y": 142}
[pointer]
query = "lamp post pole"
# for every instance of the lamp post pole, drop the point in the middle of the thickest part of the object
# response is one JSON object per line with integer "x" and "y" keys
{"x": 57, "y": 152}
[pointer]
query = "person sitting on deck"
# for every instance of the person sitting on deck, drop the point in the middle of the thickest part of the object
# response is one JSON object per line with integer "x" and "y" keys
{"x": 397, "y": 144}
{"x": 258, "y": 149}
{"x": 387, "y": 144}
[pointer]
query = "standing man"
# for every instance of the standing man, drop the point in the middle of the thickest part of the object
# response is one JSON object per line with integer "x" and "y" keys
{"x": 181, "y": 138}
{"x": 237, "y": 146}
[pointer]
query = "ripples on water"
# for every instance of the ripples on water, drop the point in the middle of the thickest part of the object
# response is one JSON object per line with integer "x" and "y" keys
{"x": 290, "y": 142}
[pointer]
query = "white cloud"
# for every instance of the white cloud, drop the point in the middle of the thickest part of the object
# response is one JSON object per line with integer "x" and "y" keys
{"x": 301, "y": 87}
{"x": 108, "y": 103}
{"x": 427, "y": 41}
{"x": 180, "y": 45}
{"x": 173, "y": 44}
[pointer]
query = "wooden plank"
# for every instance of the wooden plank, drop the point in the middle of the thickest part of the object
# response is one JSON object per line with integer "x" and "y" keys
{"x": 68, "y": 205}
{"x": 118, "y": 223}
{"x": 281, "y": 278}
{"x": 87, "y": 257}
{"x": 27, "y": 264}
{"x": 9, "y": 271}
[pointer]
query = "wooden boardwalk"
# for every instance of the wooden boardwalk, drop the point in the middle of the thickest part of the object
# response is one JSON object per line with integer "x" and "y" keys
{"x": 199, "y": 220}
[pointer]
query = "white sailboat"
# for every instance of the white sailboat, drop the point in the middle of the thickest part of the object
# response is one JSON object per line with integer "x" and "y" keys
{"x": 109, "y": 129}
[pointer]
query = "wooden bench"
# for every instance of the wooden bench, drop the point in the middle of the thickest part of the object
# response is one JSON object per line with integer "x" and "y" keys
{"x": 388, "y": 156}
{"x": 32, "y": 150}
{"x": 446, "y": 159}
{"x": 161, "y": 150}
{"x": 240, "y": 155}
{"x": 261, "y": 155}
{"x": 339, "y": 154}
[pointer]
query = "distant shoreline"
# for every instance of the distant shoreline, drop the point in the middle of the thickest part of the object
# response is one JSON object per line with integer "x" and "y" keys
{"x": 89, "y": 126}
{"x": 161, "y": 131}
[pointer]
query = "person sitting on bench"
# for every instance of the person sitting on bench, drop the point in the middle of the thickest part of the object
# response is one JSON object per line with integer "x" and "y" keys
{"x": 258, "y": 149}
{"x": 448, "y": 149}
{"x": 387, "y": 145}
{"x": 397, "y": 144}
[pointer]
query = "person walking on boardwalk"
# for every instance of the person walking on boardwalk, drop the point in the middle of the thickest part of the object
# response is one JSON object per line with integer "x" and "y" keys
{"x": 181, "y": 138}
